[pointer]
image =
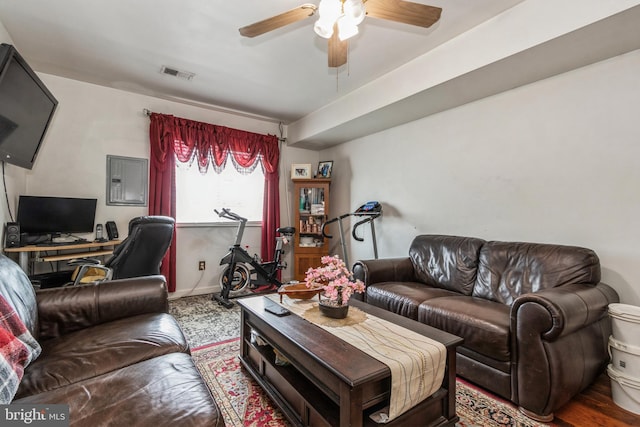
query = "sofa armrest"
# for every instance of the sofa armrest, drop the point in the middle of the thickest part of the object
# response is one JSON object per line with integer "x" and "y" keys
{"x": 559, "y": 344}
{"x": 68, "y": 309}
{"x": 566, "y": 308}
{"x": 384, "y": 270}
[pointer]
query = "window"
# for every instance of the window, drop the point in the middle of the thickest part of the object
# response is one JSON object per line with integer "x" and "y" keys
{"x": 197, "y": 195}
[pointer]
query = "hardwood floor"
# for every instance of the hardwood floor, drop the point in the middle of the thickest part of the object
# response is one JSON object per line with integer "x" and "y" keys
{"x": 595, "y": 407}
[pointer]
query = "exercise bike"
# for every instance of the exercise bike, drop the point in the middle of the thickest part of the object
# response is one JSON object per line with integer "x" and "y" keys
{"x": 245, "y": 272}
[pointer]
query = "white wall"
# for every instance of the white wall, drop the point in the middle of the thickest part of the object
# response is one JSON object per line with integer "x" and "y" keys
{"x": 555, "y": 161}
{"x": 94, "y": 121}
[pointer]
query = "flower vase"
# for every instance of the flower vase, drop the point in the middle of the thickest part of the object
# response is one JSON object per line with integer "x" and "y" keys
{"x": 333, "y": 310}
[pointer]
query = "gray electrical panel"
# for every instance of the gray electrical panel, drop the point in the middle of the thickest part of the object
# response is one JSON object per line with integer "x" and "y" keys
{"x": 127, "y": 179}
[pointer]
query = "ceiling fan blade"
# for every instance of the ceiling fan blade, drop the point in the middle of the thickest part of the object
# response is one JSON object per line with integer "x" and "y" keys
{"x": 337, "y": 49}
{"x": 406, "y": 12}
{"x": 275, "y": 22}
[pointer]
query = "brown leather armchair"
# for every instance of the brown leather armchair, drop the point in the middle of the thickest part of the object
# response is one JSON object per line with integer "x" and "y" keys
{"x": 533, "y": 316}
{"x": 110, "y": 351}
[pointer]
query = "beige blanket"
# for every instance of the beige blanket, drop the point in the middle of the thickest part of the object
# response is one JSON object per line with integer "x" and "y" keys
{"x": 417, "y": 363}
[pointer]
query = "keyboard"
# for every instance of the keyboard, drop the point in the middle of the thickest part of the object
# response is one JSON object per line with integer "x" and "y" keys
{"x": 52, "y": 244}
{"x": 61, "y": 243}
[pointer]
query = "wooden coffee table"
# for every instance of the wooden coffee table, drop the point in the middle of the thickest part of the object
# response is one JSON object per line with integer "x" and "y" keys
{"x": 329, "y": 382}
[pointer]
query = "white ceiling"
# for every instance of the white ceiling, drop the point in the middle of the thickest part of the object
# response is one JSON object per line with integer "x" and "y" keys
{"x": 281, "y": 75}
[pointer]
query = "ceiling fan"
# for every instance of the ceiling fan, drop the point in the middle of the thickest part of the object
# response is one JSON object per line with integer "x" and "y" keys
{"x": 338, "y": 20}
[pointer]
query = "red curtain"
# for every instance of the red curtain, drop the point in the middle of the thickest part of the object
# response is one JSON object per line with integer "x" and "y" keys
{"x": 173, "y": 138}
{"x": 162, "y": 189}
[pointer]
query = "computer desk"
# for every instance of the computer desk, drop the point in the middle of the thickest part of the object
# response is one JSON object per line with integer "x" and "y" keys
{"x": 32, "y": 253}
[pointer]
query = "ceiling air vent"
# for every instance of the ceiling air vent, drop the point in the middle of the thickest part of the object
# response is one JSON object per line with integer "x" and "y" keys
{"x": 185, "y": 75}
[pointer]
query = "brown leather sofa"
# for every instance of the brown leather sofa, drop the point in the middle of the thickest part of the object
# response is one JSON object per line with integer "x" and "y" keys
{"x": 533, "y": 316}
{"x": 110, "y": 351}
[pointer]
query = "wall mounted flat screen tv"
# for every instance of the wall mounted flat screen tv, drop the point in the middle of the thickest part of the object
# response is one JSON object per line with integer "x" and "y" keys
{"x": 26, "y": 109}
{"x": 39, "y": 215}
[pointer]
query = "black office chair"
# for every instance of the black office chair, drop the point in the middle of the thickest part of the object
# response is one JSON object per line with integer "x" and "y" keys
{"x": 140, "y": 254}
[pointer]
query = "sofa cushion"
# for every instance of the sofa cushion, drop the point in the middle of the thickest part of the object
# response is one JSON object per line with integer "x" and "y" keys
{"x": 163, "y": 391}
{"x": 16, "y": 288}
{"x": 446, "y": 262}
{"x": 403, "y": 297}
{"x": 100, "y": 349}
{"x": 508, "y": 270}
{"x": 483, "y": 324}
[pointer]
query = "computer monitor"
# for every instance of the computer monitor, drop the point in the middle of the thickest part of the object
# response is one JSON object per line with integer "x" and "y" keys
{"x": 40, "y": 215}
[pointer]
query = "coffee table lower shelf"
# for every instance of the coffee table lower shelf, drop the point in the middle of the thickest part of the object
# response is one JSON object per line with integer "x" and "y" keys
{"x": 304, "y": 404}
{"x": 307, "y": 397}
{"x": 296, "y": 396}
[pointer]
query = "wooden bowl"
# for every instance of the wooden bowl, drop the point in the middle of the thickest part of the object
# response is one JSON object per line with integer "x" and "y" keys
{"x": 298, "y": 291}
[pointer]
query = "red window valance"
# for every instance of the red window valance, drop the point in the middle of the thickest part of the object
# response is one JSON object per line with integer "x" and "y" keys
{"x": 212, "y": 145}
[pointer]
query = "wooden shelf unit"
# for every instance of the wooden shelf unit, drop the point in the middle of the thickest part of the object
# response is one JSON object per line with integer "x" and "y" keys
{"x": 311, "y": 211}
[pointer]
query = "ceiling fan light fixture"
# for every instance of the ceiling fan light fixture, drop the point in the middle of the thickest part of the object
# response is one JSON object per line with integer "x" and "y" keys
{"x": 338, "y": 20}
{"x": 330, "y": 10}
{"x": 354, "y": 10}
{"x": 323, "y": 28}
{"x": 346, "y": 28}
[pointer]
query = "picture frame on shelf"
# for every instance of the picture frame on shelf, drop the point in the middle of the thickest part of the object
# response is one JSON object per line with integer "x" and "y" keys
{"x": 324, "y": 169}
{"x": 301, "y": 171}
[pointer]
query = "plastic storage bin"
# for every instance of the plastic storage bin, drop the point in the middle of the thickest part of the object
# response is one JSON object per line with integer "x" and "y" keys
{"x": 625, "y": 322}
{"x": 625, "y": 390}
{"x": 624, "y": 369}
{"x": 625, "y": 358}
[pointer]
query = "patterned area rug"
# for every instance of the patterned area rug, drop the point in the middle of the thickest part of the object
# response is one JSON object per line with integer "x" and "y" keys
{"x": 243, "y": 403}
{"x": 240, "y": 399}
{"x": 204, "y": 321}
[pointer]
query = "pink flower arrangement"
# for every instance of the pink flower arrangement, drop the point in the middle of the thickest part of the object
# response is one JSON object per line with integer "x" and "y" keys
{"x": 336, "y": 280}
